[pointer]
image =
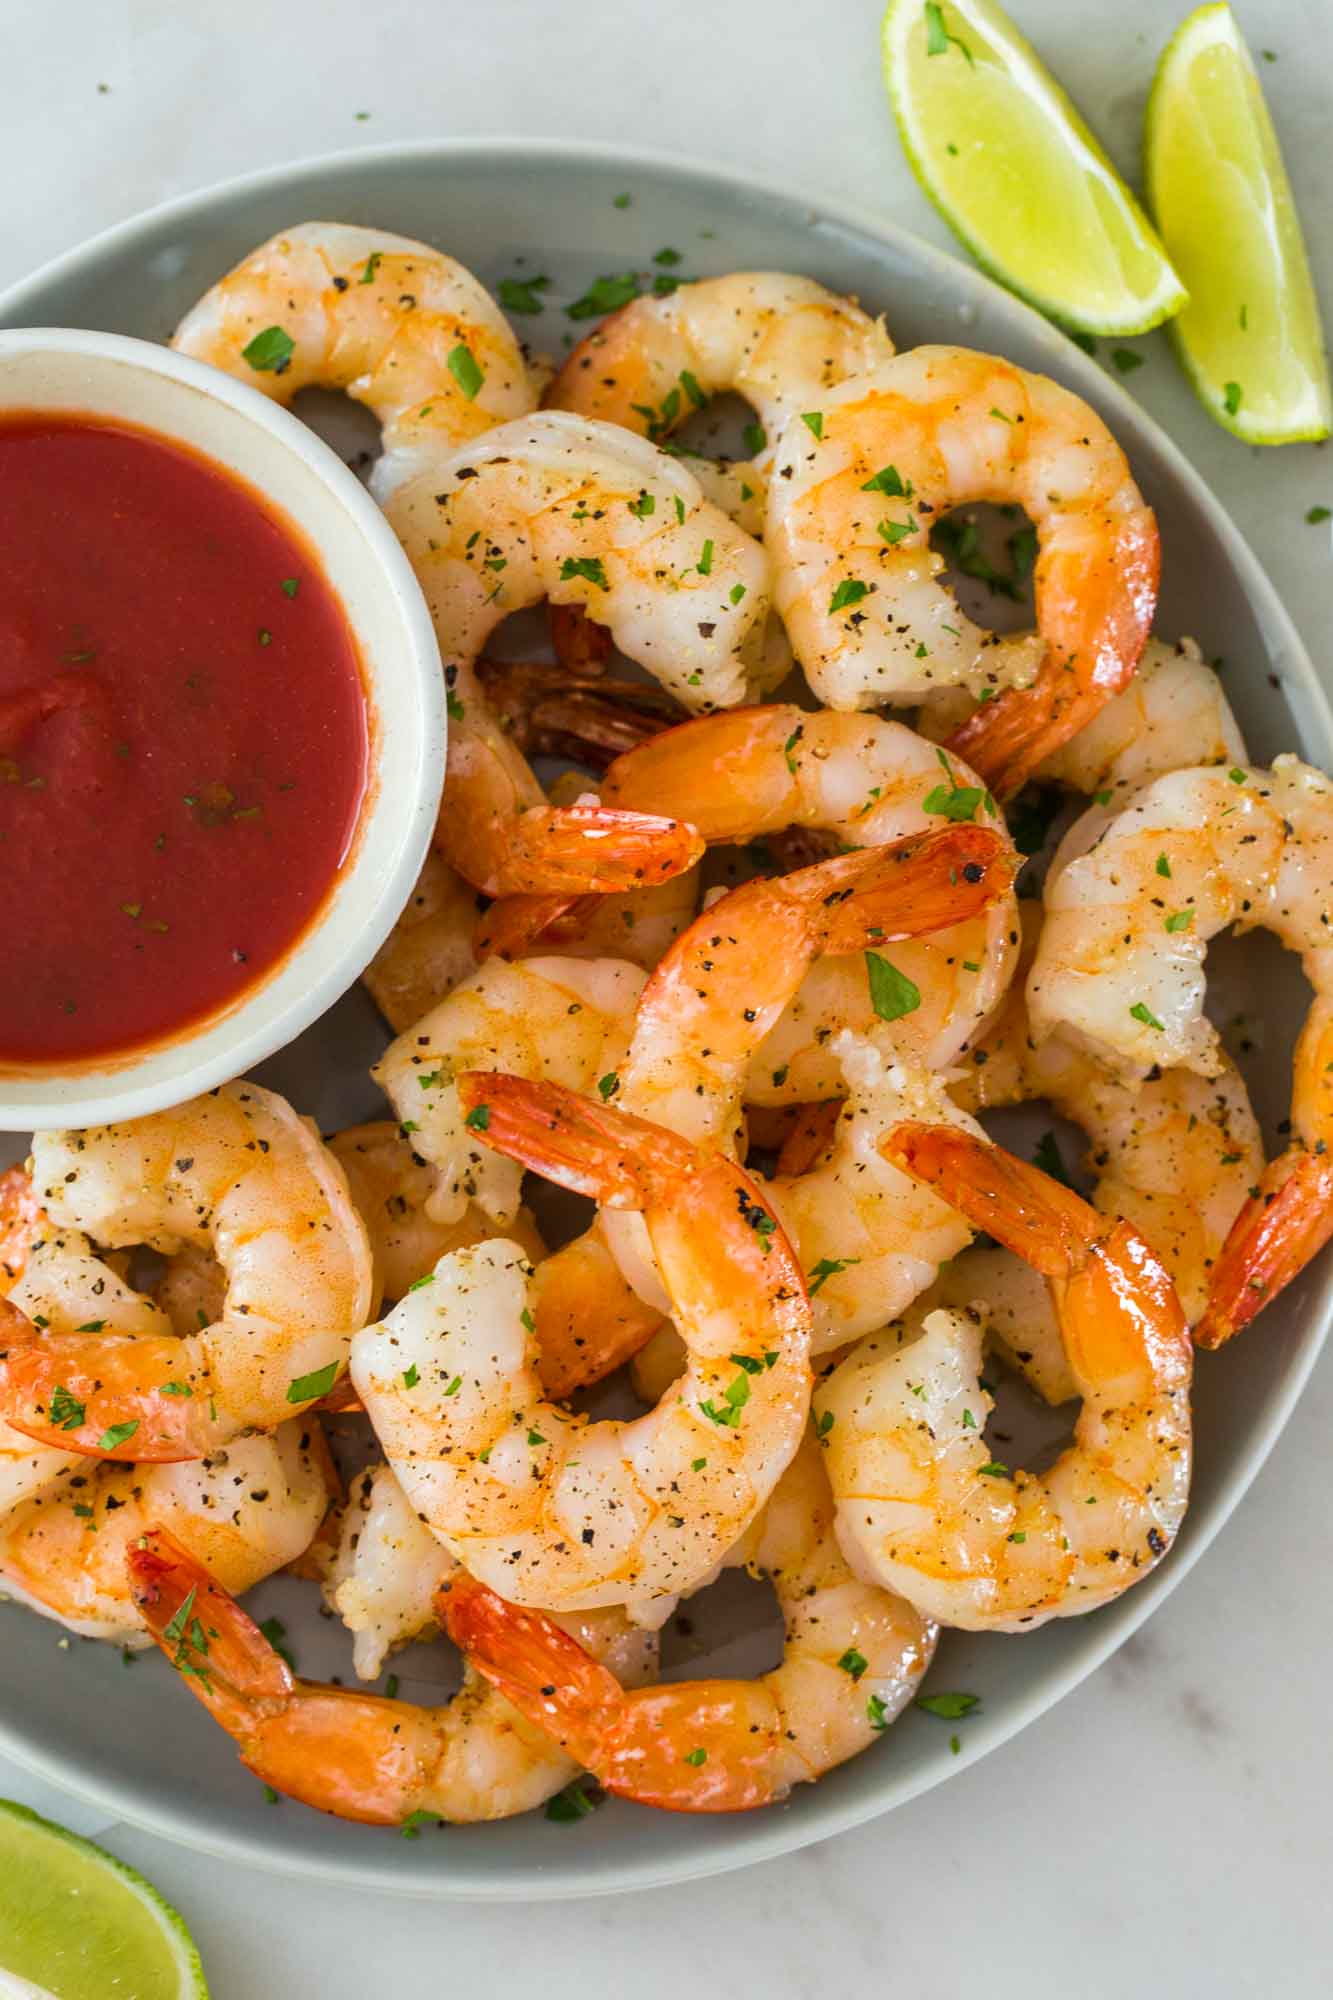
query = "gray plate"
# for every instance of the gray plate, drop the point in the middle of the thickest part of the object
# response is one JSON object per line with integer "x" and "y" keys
{"x": 132, "y": 1739}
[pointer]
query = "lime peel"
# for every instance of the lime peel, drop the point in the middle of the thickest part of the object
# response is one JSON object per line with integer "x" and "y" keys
{"x": 77, "y": 1922}
{"x": 1000, "y": 150}
{"x": 1250, "y": 338}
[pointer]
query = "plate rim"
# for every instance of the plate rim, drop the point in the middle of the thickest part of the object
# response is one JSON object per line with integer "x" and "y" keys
{"x": 756, "y": 1837}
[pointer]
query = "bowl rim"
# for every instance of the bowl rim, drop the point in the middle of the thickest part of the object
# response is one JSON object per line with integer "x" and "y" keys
{"x": 758, "y": 1837}
{"x": 399, "y": 806}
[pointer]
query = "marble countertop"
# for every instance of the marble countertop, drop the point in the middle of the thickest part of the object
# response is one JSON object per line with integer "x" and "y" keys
{"x": 1165, "y": 1830}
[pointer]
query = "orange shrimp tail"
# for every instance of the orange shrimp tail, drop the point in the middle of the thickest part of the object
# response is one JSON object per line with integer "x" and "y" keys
{"x": 568, "y": 850}
{"x": 1045, "y": 1223}
{"x": 618, "y": 1159}
{"x": 580, "y": 643}
{"x": 691, "y": 1747}
{"x": 526, "y": 1656}
{"x": 85, "y": 1392}
{"x": 588, "y": 1321}
{"x": 221, "y": 1652}
{"x": 1283, "y": 1225}
{"x": 22, "y": 1222}
{"x": 810, "y": 1138}
{"x": 911, "y": 888}
{"x": 514, "y": 925}
{"x": 1096, "y": 618}
{"x": 574, "y": 710}
{"x": 357, "y": 1755}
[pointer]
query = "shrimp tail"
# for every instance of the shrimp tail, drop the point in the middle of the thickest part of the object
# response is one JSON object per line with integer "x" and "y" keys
{"x": 106, "y": 1395}
{"x": 356, "y": 1755}
{"x": 514, "y": 925}
{"x": 705, "y": 1746}
{"x": 1285, "y": 1223}
{"x": 912, "y": 888}
{"x": 617, "y": 1159}
{"x": 535, "y": 1665}
{"x": 1046, "y": 1224}
{"x": 1007, "y": 739}
{"x": 579, "y": 848}
{"x": 573, "y": 710}
{"x": 579, "y": 642}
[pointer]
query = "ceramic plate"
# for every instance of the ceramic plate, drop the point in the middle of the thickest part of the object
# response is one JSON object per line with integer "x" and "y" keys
{"x": 129, "y": 1737}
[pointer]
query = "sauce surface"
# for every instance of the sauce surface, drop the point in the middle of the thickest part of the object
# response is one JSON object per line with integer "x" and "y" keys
{"x": 183, "y": 737}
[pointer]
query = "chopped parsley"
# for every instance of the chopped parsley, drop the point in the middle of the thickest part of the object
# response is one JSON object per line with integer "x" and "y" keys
{"x": 938, "y": 37}
{"x": 462, "y": 365}
{"x": 892, "y": 993}
{"x": 1232, "y": 394}
{"x": 577, "y": 1800}
{"x": 117, "y": 1435}
{"x": 888, "y": 480}
{"x": 605, "y": 295}
{"x": 1144, "y": 1013}
{"x": 305, "y": 1388}
{"x": 826, "y": 1268}
{"x": 588, "y": 567}
{"x": 519, "y": 295}
{"x": 949, "y": 1707}
{"x": 1126, "y": 360}
{"x": 853, "y": 1663}
{"x": 270, "y": 352}
{"x": 734, "y": 1399}
{"x": 66, "y": 1412}
{"x": 479, "y": 1118}
{"x": 850, "y": 591}
{"x": 1179, "y": 920}
{"x": 814, "y": 422}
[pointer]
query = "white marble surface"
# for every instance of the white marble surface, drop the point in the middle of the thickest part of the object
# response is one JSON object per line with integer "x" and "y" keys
{"x": 1166, "y": 1829}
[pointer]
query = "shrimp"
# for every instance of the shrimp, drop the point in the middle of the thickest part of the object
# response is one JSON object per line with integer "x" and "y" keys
{"x": 387, "y": 1570}
{"x": 565, "y": 1513}
{"x": 557, "y": 507}
{"x": 359, "y": 1756}
{"x": 568, "y": 1020}
{"x": 587, "y": 715}
{"x": 401, "y": 327}
{"x": 866, "y": 781}
{"x": 236, "y": 1170}
{"x": 854, "y": 497}
{"x": 1175, "y": 1153}
{"x": 923, "y": 1506}
{"x": 21, "y": 1223}
{"x": 853, "y": 1658}
{"x": 712, "y": 1002}
{"x": 1120, "y": 970}
{"x": 780, "y": 341}
{"x": 247, "y": 1510}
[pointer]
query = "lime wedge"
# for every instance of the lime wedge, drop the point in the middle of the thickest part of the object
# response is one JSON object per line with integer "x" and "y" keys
{"x": 81, "y": 1925}
{"x": 1249, "y": 339}
{"x": 1014, "y": 171}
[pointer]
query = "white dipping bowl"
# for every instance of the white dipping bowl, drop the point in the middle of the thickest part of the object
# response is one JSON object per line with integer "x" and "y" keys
{"x": 108, "y": 376}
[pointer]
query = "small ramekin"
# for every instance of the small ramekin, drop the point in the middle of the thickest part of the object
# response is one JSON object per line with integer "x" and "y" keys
{"x": 108, "y": 376}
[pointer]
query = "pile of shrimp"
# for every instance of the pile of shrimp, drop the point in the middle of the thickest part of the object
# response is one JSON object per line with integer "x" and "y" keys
{"x": 746, "y": 974}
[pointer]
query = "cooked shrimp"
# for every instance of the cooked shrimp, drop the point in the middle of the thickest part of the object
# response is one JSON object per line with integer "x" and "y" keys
{"x": 853, "y": 500}
{"x": 563, "y": 1512}
{"x": 386, "y": 1572}
{"x": 715, "y": 997}
{"x": 1120, "y": 968}
{"x": 866, "y": 781}
{"x": 923, "y": 1506}
{"x": 1175, "y": 1153}
{"x": 782, "y": 342}
{"x": 247, "y": 1510}
{"x": 359, "y": 1756}
{"x": 568, "y": 1020}
{"x": 21, "y": 1223}
{"x": 401, "y": 327}
{"x": 236, "y": 1170}
{"x": 853, "y": 1658}
{"x": 561, "y": 508}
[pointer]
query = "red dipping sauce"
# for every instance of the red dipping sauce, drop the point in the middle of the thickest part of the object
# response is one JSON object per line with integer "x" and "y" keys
{"x": 183, "y": 738}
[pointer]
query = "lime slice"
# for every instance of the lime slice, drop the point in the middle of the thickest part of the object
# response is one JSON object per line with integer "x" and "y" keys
{"x": 1015, "y": 172}
{"x": 81, "y": 1925}
{"x": 1249, "y": 339}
